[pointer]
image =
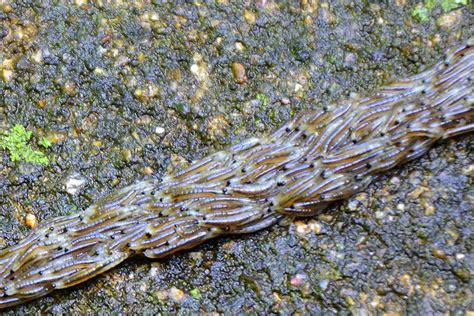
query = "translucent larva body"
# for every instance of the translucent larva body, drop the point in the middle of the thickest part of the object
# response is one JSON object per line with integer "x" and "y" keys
{"x": 313, "y": 160}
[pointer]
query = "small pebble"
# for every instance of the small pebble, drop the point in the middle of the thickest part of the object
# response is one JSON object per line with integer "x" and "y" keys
{"x": 217, "y": 127}
{"x": 326, "y": 217}
{"x": 126, "y": 154}
{"x": 250, "y": 17}
{"x": 7, "y": 8}
{"x": 379, "y": 214}
{"x": 153, "y": 271}
{"x": 400, "y": 206}
{"x": 56, "y": 137}
{"x": 30, "y": 220}
{"x": 405, "y": 279}
{"x": 199, "y": 68}
{"x": 462, "y": 273}
{"x": 69, "y": 87}
{"x": 438, "y": 253}
{"x": 74, "y": 183}
{"x": 41, "y": 104}
{"x": 250, "y": 106}
{"x": 239, "y": 46}
{"x": 323, "y": 284}
{"x": 97, "y": 143}
{"x": 176, "y": 294}
{"x": 159, "y": 130}
{"x": 297, "y": 280}
{"x": 161, "y": 295}
{"x": 301, "y": 228}
{"x": 260, "y": 3}
{"x": 352, "y": 205}
{"x": 428, "y": 207}
{"x": 99, "y": 71}
{"x": 469, "y": 171}
{"x": 141, "y": 57}
{"x": 148, "y": 170}
{"x": 449, "y": 20}
{"x": 37, "y": 57}
{"x": 7, "y": 75}
{"x": 395, "y": 180}
{"x": 143, "y": 287}
{"x": 315, "y": 227}
{"x": 298, "y": 87}
{"x": 238, "y": 71}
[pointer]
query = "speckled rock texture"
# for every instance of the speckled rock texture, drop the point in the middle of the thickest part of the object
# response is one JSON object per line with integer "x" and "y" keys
{"x": 127, "y": 91}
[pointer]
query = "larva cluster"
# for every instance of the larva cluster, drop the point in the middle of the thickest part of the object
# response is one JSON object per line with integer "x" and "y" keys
{"x": 313, "y": 160}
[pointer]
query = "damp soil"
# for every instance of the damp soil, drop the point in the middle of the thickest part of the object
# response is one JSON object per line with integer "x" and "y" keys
{"x": 127, "y": 91}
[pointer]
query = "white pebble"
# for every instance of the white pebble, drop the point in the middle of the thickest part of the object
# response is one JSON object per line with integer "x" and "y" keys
{"x": 74, "y": 183}
{"x": 159, "y": 130}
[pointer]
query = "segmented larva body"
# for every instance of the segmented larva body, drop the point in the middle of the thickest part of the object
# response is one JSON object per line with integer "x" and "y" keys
{"x": 315, "y": 159}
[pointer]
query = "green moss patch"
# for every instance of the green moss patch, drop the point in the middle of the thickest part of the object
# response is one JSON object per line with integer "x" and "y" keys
{"x": 15, "y": 142}
{"x": 422, "y": 10}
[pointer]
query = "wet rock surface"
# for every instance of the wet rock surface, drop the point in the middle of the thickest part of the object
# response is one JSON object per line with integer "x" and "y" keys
{"x": 130, "y": 91}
